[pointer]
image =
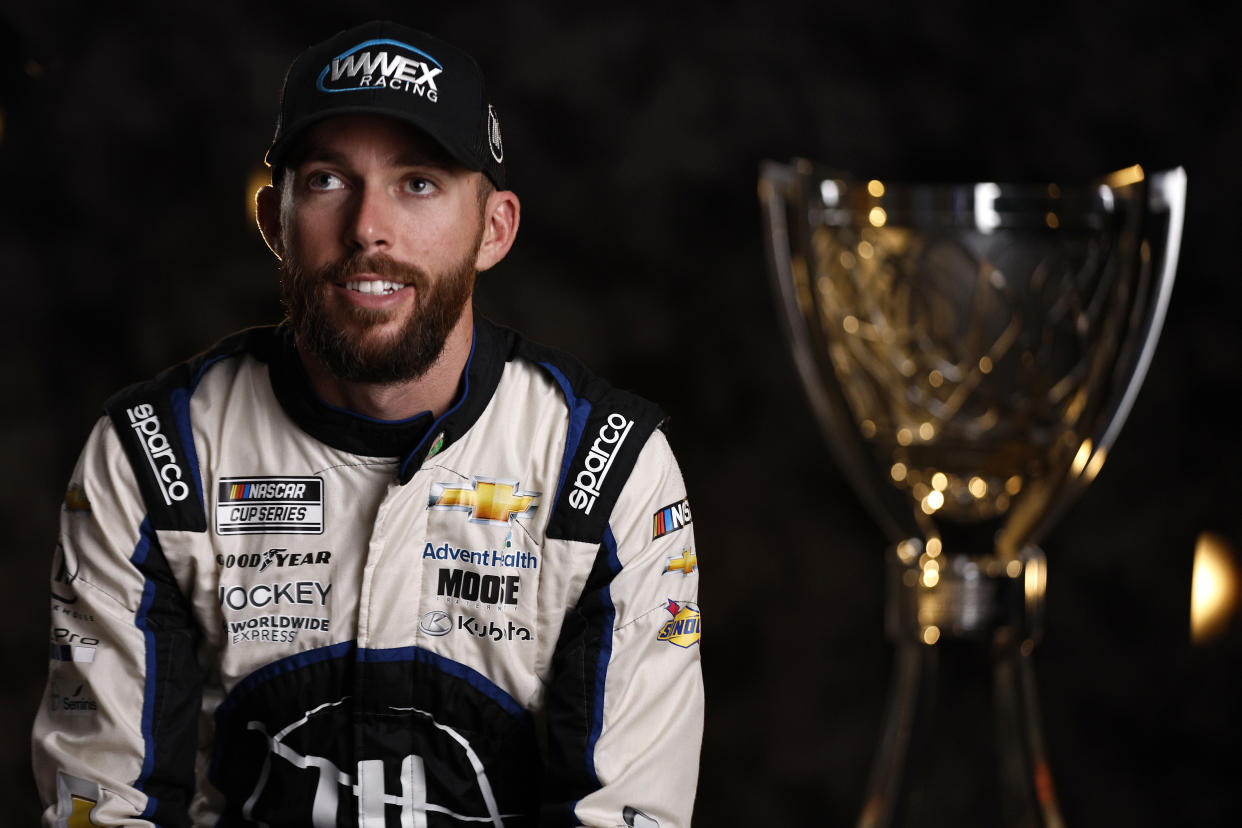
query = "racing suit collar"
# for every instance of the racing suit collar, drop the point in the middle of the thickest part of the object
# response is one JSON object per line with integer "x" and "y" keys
{"x": 411, "y": 440}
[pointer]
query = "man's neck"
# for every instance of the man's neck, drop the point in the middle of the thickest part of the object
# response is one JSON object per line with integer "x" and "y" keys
{"x": 434, "y": 391}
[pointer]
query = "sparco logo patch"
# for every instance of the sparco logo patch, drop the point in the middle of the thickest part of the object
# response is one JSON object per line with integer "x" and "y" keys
{"x": 382, "y": 64}
{"x": 169, "y": 476}
{"x": 590, "y": 479}
{"x": 272, "y": 505}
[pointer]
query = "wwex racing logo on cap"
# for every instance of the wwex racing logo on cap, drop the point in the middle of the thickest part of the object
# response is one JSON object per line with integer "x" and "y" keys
{"x": 380, "y": 64}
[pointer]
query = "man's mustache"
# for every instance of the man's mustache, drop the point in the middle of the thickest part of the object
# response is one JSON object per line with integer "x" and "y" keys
{"x": 383, "y": 266}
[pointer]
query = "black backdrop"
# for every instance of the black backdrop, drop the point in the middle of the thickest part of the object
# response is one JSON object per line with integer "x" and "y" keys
{"x": 130, "y": 142}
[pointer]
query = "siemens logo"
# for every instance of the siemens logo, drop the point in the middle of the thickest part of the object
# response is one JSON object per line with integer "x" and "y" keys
{"x": 598, "y": 461}
{"x": 159, "y": 453}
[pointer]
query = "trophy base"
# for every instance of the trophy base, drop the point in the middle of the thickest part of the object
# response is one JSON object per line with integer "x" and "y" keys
{"x": 962, "y": 743}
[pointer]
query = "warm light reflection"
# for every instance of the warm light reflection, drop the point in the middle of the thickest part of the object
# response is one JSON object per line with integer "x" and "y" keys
{"x": 1130, "y": 175}
{"x": 1080, "y": 459}
{"x": 927, "y": 431}
{"x": 935, "y": 379}
{"x": 908, "y": 550}
{"x": 904, "y": 436}
{"x": 876, "y": 188}
{"x": 940, "y": 481}
{"x": 933, "y": 501}
{"x": 934, "y": 546}
{"x": 877, "y": 217}
{"x": 977, "y": 486}
{"x": 931, "y": 634}
{"x": 931, "y": 577}
{"x": 1036, "y": 578}
{"x": 985, "y": 365}
{"x": 1014, "y": 568}
{"x": 898, "y": 472}
{"x": 1052, "y": 221}
{"x": 259, "y": 177}
{"x": 865, "y": 250}
{"x": 867, "y": 427}
{"x": 1093, "y": 468}
{"x": 1013, "y": 485}
{"x": 850, "y": 324}
{"x": 1213, "y": 588}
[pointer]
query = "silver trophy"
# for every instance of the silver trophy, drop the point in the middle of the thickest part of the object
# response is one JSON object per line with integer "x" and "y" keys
{"x": 972, "y": 351}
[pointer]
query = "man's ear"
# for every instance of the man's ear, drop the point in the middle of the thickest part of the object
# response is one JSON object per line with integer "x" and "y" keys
{"x": 501, "y": 216}
{"x": 267, "y": 202}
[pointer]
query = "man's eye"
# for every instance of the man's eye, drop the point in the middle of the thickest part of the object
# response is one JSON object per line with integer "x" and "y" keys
{"x": 323, "y": 181}
{"x": 420, "y": 186}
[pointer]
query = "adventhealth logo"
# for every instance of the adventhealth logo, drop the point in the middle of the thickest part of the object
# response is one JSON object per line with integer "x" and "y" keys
{"x": 380, "y": 64}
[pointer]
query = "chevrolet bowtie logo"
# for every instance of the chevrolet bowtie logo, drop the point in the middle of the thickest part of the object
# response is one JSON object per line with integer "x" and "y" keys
{"x": 686, "y": 564}
{"x": 487, "y": 501}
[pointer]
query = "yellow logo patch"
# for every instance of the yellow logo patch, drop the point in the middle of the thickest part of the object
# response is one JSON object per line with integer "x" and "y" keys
{"x": 487, "y": 501}
{"x": 685, "y": 628}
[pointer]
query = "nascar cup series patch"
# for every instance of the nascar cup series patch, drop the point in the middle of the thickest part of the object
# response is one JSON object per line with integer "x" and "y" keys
{"x": 269, "y": 505}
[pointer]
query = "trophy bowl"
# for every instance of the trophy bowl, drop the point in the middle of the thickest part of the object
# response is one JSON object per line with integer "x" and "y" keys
{"x": 972, "y": 351}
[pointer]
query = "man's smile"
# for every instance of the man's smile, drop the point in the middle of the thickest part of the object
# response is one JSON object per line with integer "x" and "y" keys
{"x": 377, "y": 286}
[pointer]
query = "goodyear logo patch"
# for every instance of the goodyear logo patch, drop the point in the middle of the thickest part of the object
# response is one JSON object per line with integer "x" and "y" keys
{"x": 269, "y": 505}
{"x": 670, "y": 518}
{"x": 685, "y": 627}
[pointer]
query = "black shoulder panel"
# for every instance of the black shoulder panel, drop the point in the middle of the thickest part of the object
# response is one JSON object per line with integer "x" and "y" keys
{"x": 152, "y": 421}
{"x": 607, "y": 429}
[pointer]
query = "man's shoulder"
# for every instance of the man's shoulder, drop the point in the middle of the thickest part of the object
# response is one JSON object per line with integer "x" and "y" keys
{"x": 151, "y": 419}
{"x": 608, "y": 428}
{"x": 183, "y": 378}
{"x": 580, "y": 386}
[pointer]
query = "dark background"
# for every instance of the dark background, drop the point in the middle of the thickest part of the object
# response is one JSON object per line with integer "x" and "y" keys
{"x": 130, "y": 142}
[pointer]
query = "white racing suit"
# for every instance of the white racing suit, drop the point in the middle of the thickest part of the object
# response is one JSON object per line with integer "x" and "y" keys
{"x": 267, "y": 611}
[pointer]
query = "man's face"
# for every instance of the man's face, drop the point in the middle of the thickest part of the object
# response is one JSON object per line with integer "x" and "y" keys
{"x": 381, "y": 235}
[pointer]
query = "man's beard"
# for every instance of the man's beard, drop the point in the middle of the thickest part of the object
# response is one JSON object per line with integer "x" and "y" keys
{"x": 342, "y": 344}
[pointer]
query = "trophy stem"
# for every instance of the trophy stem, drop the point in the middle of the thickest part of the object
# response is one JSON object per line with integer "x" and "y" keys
{"x": 963, "y": 697}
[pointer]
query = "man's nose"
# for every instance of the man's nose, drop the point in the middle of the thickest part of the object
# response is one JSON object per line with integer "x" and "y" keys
{"x": 372, "y": 225}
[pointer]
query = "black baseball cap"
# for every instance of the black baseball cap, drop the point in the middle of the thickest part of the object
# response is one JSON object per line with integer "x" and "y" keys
{"x": 384, "y": 68}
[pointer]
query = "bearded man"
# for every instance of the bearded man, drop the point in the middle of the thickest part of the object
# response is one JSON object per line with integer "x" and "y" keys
{"x": 386, "y": 563}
